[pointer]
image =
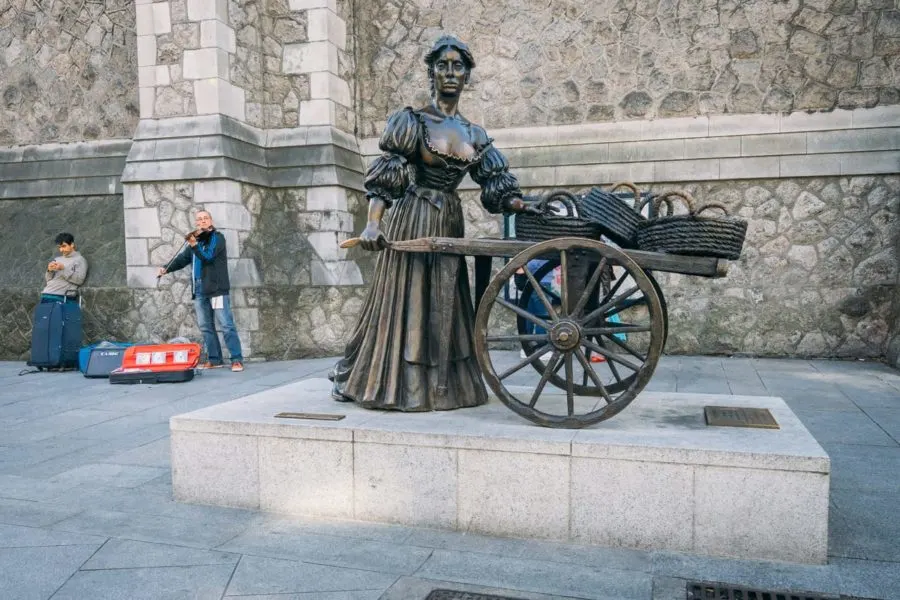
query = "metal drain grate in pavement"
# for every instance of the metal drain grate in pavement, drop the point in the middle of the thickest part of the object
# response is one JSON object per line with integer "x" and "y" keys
{"x": 460, "y": 595}
{"x": 704, "y": 590}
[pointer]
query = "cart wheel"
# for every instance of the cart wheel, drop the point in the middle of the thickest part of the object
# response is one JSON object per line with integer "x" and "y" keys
{"x": 607, "y": 285}
{"x": 572, "y": 328}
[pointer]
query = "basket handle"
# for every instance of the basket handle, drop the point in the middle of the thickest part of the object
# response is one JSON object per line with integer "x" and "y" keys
{"x": 566, "y": 198}
{"x": 626, "y": 184}
{"x": 710, "y": 205}
{"x": 685, "y": 197}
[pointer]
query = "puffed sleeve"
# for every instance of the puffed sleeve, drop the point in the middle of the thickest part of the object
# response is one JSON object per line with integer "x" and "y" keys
{"x": 497, "y": 183}
{"x": 387, "y": 177}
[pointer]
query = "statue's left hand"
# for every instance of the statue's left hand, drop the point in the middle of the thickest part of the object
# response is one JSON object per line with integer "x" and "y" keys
{"x": 517, "y": 205}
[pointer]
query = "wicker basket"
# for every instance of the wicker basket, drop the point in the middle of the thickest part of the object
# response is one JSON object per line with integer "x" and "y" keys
{"x": 548, "y": 226}
{"x": 617, "y": 220}
{"x": 693, "y": 234}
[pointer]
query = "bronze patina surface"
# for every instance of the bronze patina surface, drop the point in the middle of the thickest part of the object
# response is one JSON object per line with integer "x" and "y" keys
{"x": 730, "y": 416}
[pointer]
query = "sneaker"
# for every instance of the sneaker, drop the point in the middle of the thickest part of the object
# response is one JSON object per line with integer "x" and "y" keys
{"x": 237, "y": 367}
{"x": 597, "y": 358}
{"x": 208, "y": 365}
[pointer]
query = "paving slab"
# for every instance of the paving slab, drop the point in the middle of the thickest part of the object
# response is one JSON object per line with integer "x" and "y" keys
{"x": 416, "y": 588}
{"x": 18, "y": 536}
{"x": 867, "y": 527}
{"x": 153, "y": 454}
{"x": 363, "y": 530}
{"x": 171, "y": 583}
{"x": 16, "y": 487}
{"x": 860, "y": 468}
{"x": 131, "y": 554}
{"x": 336, "y": 551}
{"x": 33, "y": 514}
{"x": 888, "y": 419}
{"x": 258, "y": 575}
{"x": 195, "y": 533}
{"x": 868, "y": 578}
{"x": 36, "y": 573}
{"x": 764, "y": 575}
{"x": 845, "y": 428}
{"x": 536, "y": 576}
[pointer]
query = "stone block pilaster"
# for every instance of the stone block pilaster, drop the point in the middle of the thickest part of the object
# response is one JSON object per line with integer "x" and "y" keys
{"x": 330, "y": 101}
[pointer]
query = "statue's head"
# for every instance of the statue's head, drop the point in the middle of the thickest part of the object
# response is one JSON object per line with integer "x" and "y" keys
{"x": 450, "y": 64}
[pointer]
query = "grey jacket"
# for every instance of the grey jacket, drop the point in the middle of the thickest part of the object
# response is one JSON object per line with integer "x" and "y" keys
{"x": 70, "y": 278}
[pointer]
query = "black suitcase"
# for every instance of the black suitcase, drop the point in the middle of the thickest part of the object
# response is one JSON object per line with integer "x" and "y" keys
{"x": 146, "y": 376}
{"x": 56, "y": 335}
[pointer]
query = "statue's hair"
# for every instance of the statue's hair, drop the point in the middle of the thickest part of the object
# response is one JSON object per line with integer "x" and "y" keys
{"x": 448, "y": 42}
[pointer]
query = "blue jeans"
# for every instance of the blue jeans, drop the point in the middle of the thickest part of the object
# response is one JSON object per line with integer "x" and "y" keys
{"x": 205, "y": 315}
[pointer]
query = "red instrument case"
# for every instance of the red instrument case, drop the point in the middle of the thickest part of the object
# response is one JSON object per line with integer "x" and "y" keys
{"x": 159, "y": 363}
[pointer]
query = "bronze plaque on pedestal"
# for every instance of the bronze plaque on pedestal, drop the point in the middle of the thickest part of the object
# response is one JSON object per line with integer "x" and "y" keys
{"x": 313, "y": 416}
{"x": 730, "y": 416}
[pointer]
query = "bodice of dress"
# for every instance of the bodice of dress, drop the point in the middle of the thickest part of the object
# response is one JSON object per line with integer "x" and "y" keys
{"x": 443, "y": 170}
{"x": 431, "y": 154}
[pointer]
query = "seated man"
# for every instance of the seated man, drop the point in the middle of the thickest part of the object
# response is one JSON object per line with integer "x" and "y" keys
{"x": 65, "y": 273}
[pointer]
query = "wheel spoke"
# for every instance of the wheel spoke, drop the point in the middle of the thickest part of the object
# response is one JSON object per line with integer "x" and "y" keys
{"x": 525, "y": 361}
{"x": 523, "y": 313}
{"x": 551, "y": 368}
{"x": 608, "y": 305}
{"x": 592, "y": 283}
{"x": 564, "y": 283}
{"x": 539, "y": 290}
{"x": 610, "y": 364}
{"x": 627, "y": 348}
{"x": 589, "y": 370}
{"x": 613, "y": 290}
{"x": 610, "y": 356}
{"x": 570, "y": 385}
{"x": 621, "y": 328}
{"x": 526, "y": 337}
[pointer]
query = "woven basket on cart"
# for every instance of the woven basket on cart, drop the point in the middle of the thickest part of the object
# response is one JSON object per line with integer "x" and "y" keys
{"x": 548, "y": 225}
{"x": 617, "y": 220}
{"x": 693, "y": 234}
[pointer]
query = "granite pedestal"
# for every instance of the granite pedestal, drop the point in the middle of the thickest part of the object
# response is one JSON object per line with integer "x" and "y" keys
{"x": 653, "y": 477}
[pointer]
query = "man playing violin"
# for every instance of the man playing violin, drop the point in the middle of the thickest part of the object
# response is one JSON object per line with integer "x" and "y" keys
{"x": 206, "y": 253}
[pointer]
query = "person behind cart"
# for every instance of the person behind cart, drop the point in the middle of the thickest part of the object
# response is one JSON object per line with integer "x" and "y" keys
{"x": 206, "y": 253}
{"x": 65, "y": 273}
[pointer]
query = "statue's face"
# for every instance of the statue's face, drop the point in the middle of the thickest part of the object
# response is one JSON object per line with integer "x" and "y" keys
{"x": 449, "y": 73}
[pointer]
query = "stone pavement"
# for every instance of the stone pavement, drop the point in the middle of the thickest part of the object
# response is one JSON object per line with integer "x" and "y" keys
{"x": 86, "y": 509}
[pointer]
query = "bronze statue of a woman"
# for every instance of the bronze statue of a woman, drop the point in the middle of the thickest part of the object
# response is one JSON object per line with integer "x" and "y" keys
{"x": 394, "y": 357}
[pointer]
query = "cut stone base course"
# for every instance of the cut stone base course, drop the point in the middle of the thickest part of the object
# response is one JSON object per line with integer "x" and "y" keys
{"x": 655, "y": 477}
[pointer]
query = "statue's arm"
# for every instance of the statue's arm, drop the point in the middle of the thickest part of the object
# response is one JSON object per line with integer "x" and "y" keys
{"x": 499, "y": 188}
{"x": 387, "y": 177}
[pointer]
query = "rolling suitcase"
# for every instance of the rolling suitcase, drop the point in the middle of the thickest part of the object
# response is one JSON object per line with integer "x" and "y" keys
{"x": 55, "y": 335}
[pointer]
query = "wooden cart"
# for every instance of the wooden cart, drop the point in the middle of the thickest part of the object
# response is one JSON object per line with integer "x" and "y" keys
{"x": 575, "y": 327}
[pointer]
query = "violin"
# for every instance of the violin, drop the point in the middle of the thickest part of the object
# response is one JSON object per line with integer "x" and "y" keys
{"x": 195, "y": 234}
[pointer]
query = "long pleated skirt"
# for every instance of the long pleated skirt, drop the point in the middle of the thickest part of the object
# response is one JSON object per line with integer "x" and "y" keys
{"x": 395, "y": 356}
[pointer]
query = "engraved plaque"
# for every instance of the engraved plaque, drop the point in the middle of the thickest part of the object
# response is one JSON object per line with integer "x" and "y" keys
{"x": 730, "y": 416}
{"x": 312, "y": 416}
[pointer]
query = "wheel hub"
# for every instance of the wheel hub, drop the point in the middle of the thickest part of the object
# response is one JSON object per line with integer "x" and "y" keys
{"x": 565, "y": 335}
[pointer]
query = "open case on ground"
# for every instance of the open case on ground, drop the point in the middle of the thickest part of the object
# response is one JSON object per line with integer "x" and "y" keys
{"x": 160, "y": 363}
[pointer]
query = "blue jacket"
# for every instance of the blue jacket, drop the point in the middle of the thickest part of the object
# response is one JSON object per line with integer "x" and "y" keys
{"x": 209, "y": 261}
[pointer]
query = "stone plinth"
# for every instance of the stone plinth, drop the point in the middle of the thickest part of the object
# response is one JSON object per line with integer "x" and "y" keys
{"x": 654, "y": 477}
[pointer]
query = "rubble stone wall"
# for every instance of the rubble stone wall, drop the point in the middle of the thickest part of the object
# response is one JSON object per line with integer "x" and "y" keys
{"x": 68, "y": 71}
{"x": 30, "y": 225}
{"x": 562, "y": 62}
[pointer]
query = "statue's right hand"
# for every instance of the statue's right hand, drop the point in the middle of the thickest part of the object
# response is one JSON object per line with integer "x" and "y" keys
{"x": 371, "y": 238}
